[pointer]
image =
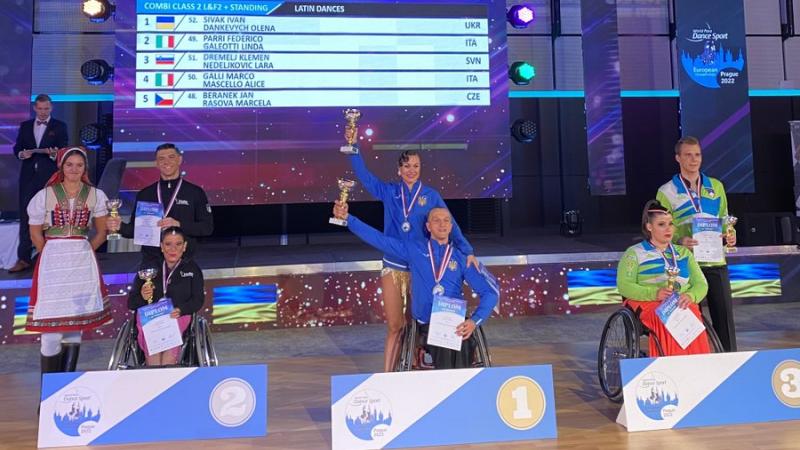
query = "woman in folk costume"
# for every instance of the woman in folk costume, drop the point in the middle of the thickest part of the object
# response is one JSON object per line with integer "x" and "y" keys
{"x": 68, "y": 295}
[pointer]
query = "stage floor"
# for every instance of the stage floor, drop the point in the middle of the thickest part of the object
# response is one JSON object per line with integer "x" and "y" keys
{"x": 302, "y": 361}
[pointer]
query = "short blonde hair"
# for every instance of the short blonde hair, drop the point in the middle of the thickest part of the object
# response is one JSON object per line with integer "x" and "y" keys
{"x": 686, "y": 140}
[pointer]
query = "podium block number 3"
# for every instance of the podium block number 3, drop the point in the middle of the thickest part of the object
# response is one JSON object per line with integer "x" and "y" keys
{"x": 786, "y": 383}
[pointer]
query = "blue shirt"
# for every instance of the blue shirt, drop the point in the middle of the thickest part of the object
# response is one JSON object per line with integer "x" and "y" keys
{"x": 393, "y": 218}
{"x": 415, "y": 252}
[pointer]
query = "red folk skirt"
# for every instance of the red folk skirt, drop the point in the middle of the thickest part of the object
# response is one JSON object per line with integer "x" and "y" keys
{"x": 79, "y": 312}
{"x": 670, "y": 346}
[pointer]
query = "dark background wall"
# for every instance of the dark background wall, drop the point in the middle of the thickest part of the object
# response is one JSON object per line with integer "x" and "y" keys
{"x": 651, "y": 129}
{"x": 549, "y": 175}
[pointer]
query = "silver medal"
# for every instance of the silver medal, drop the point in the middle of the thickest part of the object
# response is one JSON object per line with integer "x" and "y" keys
{"x": 438, "y": 290}
{"x": 406, "y": 226}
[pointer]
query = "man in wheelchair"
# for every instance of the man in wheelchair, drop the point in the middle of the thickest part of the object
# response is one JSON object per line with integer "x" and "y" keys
{"x": 437, "y": 268}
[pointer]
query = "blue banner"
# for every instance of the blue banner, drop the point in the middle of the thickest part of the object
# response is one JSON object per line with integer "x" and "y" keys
{"x": 442, "y": 407}
{"x": 715, "y": 106}
{"x": 207, "y": 7}
{"x": 601, "y": 82}
{"x": 710, "y": 390}
{"x": 117, "y": 407}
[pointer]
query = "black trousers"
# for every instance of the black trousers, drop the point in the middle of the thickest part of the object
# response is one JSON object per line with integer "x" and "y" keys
{"x": 444, "y": 358}
{"x": 30, "y": 182}
{"x": 720, "y": 305}
{"x": 26, "y": 193}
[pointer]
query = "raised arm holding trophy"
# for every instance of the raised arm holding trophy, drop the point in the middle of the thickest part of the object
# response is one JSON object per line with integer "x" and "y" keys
{"x": 351, "y": 136}
{"x": 351, "y": 132}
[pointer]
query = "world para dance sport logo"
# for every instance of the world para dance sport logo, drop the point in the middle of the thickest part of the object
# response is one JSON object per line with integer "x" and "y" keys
{"x": 657, "y": 396}
{"x": 711, "y": 63}
{"x": 369, "y": 415}
{"x": 77, "y": 412}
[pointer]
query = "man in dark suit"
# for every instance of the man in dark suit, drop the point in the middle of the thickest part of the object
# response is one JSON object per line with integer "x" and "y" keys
{"x": 38, "y": 140}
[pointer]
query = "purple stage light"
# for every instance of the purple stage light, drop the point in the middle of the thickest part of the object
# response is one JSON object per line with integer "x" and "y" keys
{"x": 520, "y": 16}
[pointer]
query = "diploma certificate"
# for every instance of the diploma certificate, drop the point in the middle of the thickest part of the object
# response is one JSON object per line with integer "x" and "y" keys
{"x": 682, "y": 324}
{"x": 707, "y": 231}
{"x": 446, "y": 315}
{"x": 161, "y": 332}
{"x": 145, "y": 228}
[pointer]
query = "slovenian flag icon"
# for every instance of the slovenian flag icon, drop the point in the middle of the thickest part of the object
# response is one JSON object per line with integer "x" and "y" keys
{"x": 165, "y": 41}
{"x": 165, "y": 60}
{"x": 164, "y": 100}
{"x": 165, "y": 79}
{"x": 165, "y": 22}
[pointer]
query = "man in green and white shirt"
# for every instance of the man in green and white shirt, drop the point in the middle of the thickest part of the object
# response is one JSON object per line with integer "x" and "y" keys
{"x": 689, "y": 195}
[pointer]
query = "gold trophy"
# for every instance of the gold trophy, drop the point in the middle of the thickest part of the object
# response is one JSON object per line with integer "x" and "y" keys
{"x": 345, "y": 186}
{"x": 351, "y": 132}
{"x": 730, "y": 231}
{"x": 113, "y": 211}
{"x": 672, "y": 278}
{"x": 147, "y": 275}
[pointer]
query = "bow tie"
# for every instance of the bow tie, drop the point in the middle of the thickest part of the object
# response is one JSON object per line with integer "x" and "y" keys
{"x": 41, "y": 122}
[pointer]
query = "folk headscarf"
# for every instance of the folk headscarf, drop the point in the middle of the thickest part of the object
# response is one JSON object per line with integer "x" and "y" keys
{"x": 62, "y": 156}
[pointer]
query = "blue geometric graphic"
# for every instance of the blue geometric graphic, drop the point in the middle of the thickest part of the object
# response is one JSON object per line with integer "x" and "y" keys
{"x": 706, "y": 67}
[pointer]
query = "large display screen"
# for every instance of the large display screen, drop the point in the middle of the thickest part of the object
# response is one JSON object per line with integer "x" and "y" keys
{"x": 253, "y": 93}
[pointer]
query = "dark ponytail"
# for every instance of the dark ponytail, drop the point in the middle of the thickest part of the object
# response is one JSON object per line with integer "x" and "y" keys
{"x": 652, "y": 209}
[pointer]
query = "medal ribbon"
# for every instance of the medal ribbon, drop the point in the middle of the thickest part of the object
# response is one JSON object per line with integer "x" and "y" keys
{"x": 164, "y": 277}
{"x": 407, "y": 210}
{"x": 664, "y": 256}
{"x": 696, "y": 204}
{"x": 448, "y": 253}
{"x": 167, "y": 208}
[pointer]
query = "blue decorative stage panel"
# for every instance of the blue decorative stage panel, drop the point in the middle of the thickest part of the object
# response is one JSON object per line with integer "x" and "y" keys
{"x": 601, "y": 80}
{"x": 710, "y": 390}
{"x": 267, "y": 297}
{"x": 118, "y": 407}
{"x": 715, "y": 105}
{"x": 442, "y": 407}
{"x": 599, "y": 286}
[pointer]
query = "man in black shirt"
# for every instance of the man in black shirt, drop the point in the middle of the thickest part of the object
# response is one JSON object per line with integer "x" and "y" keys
{"x": 185, "y": 205}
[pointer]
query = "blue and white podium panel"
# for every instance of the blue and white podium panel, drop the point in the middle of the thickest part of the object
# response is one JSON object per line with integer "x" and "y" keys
{"x": 442, "y": 407}
{"x": 709, "y": 390}
{"x": 116, "y": 407}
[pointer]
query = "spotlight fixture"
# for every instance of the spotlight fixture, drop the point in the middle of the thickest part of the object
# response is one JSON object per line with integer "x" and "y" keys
{"x": 521, "y": 73}
{"x": 520, "y": 16}
{"x": 571, "y": 223}
{"x": 524, "y": 131}
{"x": 93, "y": 135}
{"x": 98, "y": 10}
{"x": 97, "y": 71}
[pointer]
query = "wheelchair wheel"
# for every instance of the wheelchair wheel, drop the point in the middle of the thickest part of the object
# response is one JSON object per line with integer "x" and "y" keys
{"x": 119, "y": 346}
{"x": 620, "y": 340}
{"x": 207, "y": 355}
{"x": 405, "y": 359}
{"x": 713, "y": 339}
{"x": 189, "y": 354}
{"x": 482, "y": 357}
{"x": 126, "y": 353}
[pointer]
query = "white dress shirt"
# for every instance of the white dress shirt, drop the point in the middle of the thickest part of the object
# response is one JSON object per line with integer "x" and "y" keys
{"x": 38, "y": 130}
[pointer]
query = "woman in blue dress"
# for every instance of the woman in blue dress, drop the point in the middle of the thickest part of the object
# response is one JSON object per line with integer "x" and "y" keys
{"x": 406, "y": 204}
